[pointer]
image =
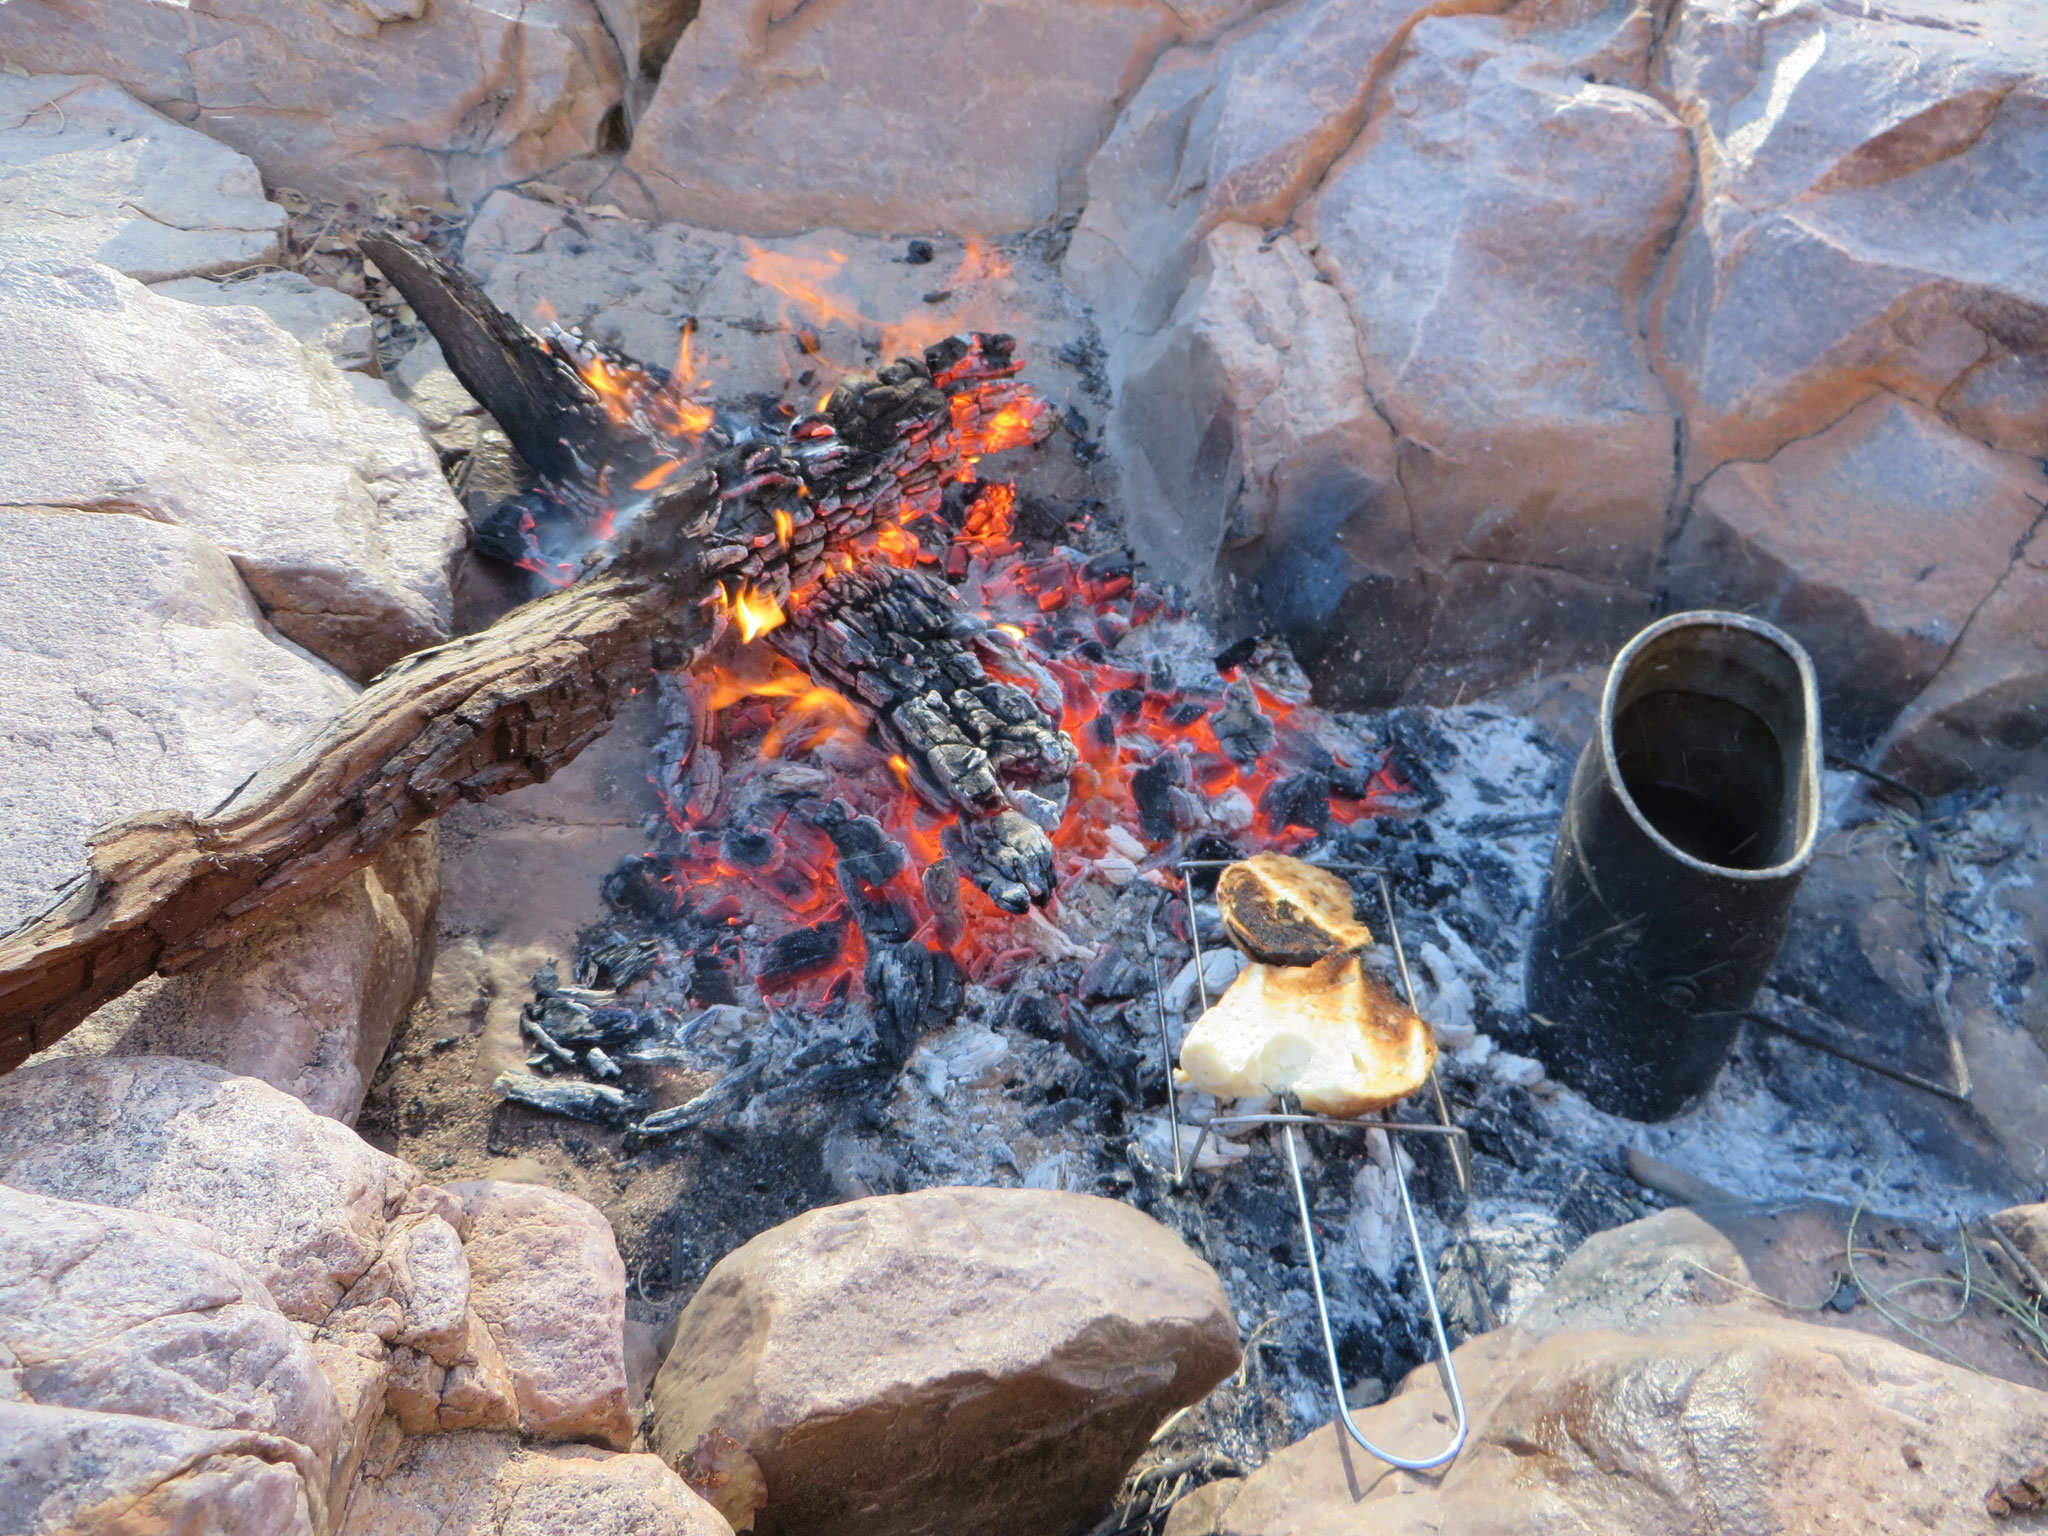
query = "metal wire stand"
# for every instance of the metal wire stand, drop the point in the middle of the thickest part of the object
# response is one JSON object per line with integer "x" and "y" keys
{"x": 1286, "y": 1122}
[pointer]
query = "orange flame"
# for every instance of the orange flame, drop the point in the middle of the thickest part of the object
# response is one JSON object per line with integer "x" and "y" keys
{"x": 755, "y": 612}
{"x": 817, "y": 715}
{"x": 785, "y": 527}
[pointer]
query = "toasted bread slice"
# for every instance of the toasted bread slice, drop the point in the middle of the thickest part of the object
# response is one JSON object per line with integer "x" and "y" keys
{"x": 1327, "y": 1033}
{"x": 1285, "y": 912}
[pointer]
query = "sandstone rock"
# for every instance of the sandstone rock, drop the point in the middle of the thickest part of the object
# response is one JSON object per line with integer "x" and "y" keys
{"x": 950, "y": 1360}
{"x": 89, "y": 174}
{"x": 66, "y": 1470}
{"x": 488, "y": 1485}
{"x": 299, "y": 1199}
{"x": 1769, "y": 1424}
{"x": 331, "y": 323}
{"x": 1860, "y": 172}
{"x": 1531, "y": 430}
{"x": 308, "y": 1004}
{"x": 139, "y": 676}
{"x": 986, "y": 116}
{"x": 1242, "y": 130}
{"x": 646, "y": 30}
{"x": 120, "y": 1312}
{"x": 436, "y": 100}
{"x": 319, "y": 486}
{"x": 1643, "y": 1394}
{"x": 1254, "y": 462}
{"x": 1983, "y": 718}
{"x": 1876, "y": 544}
{"x": 548, "y": 1283}
{"x": 2004, "y": 402}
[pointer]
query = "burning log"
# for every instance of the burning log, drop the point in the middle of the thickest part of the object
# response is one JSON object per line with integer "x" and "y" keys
{"x": 901, "y": 641}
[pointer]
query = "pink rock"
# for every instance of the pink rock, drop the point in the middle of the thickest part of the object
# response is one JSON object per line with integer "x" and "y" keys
{"x": 1875, "y": 544}
{"x": 1869, "y": 217}
{"x": 434, "y": 100}
{"x": 548, "y": 1283}
{"x": 987, "y": 109}
{"x": 298, "y": 1198}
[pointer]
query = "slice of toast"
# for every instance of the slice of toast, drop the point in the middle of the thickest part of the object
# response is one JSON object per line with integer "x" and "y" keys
{"x": 1327, "y": 1033}
{"x": 1285, "y": 912}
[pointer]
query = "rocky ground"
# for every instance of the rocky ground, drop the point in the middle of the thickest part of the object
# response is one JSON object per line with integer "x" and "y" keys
{"x": 1444, "y": 344}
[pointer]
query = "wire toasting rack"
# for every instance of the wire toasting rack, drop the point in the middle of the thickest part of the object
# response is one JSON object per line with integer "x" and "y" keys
{"x": 1285, "y": 1123}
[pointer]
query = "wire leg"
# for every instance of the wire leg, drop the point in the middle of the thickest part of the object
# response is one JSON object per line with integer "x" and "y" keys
{"x": 1436, "y": 1319}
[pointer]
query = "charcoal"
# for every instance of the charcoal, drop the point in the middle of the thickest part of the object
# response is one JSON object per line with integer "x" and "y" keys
{"x": 865, "y": 850}
{"x": 551, "y": 1049}
{"x": 1030, "y": 1013}
{"x": 1348, "y": 783}
{"x": 727, "y": 1094}
{"x": 801, "y": 951}
{"x": 636, "y": 886}
{"x": 618, "y": 965}
{"x": 1236, "y": 654}
{"x": 1109, "y": 566}
{"x": 1119, "y": 1064}
{"x": 949, "y": 992}
{"x": 1113, "y": 975}
{"x": 546, "y": 980}
{"x": 1158, "y": 674}
{"x": 941, "y": 882}
{"x": 600, "y": 1065}
{"x": 899, "y": 985}
{"x": 1151, "y": 786}
{"x": 1299, "y": 800}
{"x": 1008, "y": 857}
{"x": 1243, "y": 732}
{"x": 711, "y": 982}
{"x": 577, "y": 1100}
{"x": 751, "y": 847}
{"x": 919, "y": 252}
{"x": 1124, "y": 703}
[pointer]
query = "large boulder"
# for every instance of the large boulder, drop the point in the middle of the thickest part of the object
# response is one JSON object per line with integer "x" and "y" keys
{"x": 1258, "y": 467}
{"x": 950, "y": 1360}
{"x": 302, "y": 1201}
{"x": 1869, "y": 216}
{"x": 64, "y": 1471}
{"x": 433, "y": 100}
{"x": 139, "y": 675}
{"x": 330, "y": 322}
{"x": 1485, "y": 198}
{"x": 488, "y": 1485}
{"x": 912, "y": 116}
{"x": 1984, "y": 717}
{"x": 1876, "y": 544}
{"x": 322, "y": 489}
{"x": 308, "y": 1003}
{"x": 129, "y": 1313}
{"x": 87, "y": 173}
{"x": 1650, "y": 1391}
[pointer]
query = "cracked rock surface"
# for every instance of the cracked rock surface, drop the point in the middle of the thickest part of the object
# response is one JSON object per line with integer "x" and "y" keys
{"x": 322, "y": 489}
{"x": 1585, "y": 269}
{"x": 440, "y": 100}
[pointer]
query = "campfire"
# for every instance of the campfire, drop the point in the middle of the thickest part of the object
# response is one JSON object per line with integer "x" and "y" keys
{"x": 905, "y": 739}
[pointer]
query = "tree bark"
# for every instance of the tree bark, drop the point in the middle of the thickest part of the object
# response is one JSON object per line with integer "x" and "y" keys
{"x": 506, "y": 707}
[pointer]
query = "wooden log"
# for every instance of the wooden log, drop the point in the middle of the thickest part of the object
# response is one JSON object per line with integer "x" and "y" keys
{"x": 168, "y": 890}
